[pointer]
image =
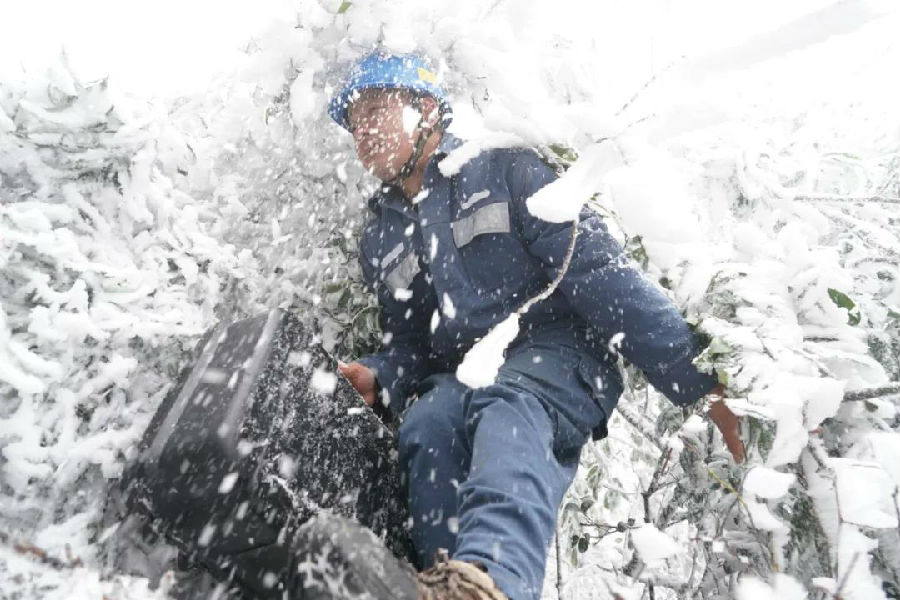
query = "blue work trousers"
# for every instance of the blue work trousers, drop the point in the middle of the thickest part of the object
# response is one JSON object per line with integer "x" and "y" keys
{"x": 487, "y": 468}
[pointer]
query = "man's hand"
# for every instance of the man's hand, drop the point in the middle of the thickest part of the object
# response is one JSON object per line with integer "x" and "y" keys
{"x": 727, "y": 422}
{"x": 362, "y": 378}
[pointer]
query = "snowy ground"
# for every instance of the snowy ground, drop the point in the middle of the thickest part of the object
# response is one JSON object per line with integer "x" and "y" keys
{"x": 129, "y": 225}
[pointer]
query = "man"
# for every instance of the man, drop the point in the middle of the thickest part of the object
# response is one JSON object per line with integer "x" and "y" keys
{"x": 448, "y": 258}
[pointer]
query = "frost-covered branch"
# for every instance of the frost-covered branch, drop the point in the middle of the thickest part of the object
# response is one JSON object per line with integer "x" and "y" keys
{"x": 877, "y": 392}
{"x": 853, "y": 199}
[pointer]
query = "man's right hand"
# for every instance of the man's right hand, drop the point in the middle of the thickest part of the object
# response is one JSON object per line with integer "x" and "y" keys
{"x": 362, "y": 378}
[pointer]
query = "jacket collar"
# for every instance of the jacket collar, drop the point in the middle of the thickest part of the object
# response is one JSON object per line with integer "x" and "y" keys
{"x": 448, "y": 142}
{"x": 390, "y": 196}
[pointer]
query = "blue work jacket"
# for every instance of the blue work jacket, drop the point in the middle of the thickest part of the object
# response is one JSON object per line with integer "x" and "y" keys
{"x": 452, "y": 265}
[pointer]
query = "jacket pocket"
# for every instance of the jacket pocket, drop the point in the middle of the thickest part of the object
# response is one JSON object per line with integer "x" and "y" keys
{"x": 489, "y": 218}
{"x": 401, "y": 273}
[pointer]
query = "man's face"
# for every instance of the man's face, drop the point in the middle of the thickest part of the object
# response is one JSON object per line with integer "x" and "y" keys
{"x": 383, "y": 123}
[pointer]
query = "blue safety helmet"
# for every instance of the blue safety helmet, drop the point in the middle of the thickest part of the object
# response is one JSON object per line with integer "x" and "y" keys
{"x": 384, "y": 70}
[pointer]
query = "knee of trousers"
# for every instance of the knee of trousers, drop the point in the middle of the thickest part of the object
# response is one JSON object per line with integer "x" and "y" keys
{"x": 436, "y": 419}
{"x": 517, "y": 396}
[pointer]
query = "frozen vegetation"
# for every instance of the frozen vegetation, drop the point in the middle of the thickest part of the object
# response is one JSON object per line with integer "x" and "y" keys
{"x": 757, "y": 182}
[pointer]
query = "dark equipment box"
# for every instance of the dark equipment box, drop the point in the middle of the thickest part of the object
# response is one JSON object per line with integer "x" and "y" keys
{"x": 261, "y": 434}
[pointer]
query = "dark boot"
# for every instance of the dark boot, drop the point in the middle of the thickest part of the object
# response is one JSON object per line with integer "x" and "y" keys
{"x": 457, "y": 580}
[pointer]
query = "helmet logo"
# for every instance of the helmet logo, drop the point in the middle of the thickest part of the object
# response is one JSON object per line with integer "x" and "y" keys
{"x": 426, "y": 75}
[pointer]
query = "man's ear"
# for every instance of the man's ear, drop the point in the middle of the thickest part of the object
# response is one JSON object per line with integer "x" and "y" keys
{"x": 431, "y": 112}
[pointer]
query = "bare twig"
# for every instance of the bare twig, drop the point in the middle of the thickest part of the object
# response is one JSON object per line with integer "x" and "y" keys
{"x": 860, "y": 229}
{"x": 817, "y": 451}
{"x": 666, "y": 582}
{"x": 634, "y": 421}
{"x": 661, "y": 466}
{"x": 876, "y": 260}
{"x": 896, "y": 507}
{"x": 840, "y": 587}
{"x": 719, "y": 480}
{"x": 29, "y": 549}
{"x": 651, "y": 489}
{"x": 643, "y": 88}
{"x": 835, "y": 198}
{"x": 559, "y": 581}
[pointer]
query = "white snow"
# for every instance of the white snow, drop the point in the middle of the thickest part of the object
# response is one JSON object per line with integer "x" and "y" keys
{"x": 694, "y": 425}
{"x": 482, "y": 362}
{"x": 882, "y": 447}
{"x": 299, "y": 359}
{"x": 287, "y": 466}
{"x": 206, "y": 535}
{"x": 228, "y": 482}
{"x": 323, "y": 382}
{"x": 768, "y": 483}
{"x": 447, "y": 307}
{"x": 636, "y": 192}
{"x": 853, "y": 566}
{"x": 823, "y": 398}
{"x": 799, "y": 404}
{"x": 866, "y": 494}
{"x": 6, "y": 124}
{"x": 562, "y": 199}
{"x": 615, "y": 341}
{"x": 215, "y": 376}
{"x": 411, "y": 118}
{"x": 784, "y": 587}
{"x": 454, "y": 161}
{"x": 652, "y": 544}
{"x": 763, "y": 518}
{"x": 402, "y": 294}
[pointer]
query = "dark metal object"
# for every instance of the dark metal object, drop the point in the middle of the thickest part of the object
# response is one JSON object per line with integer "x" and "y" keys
{"x": 244, "y": 451}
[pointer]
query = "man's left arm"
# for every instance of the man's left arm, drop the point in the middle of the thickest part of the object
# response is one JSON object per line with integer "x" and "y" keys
{"x": 612, "y": 295}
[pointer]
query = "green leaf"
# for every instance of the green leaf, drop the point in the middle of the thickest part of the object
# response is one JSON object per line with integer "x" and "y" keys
{"x": 564, "y": 152}
{"x": 343, "y": 7}
{"x": 848, "y": 155}
{"x": 571, "y": 507}
{"x": 842, "y": 300}
{"x": 717, "y": 346}
{"x": 593, "y": 475}
{"x": 722, "y": 376}
{"x": 345, "y": 298}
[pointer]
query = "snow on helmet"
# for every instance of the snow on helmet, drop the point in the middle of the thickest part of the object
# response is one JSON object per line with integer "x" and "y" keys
{"x": 383, "y": 70}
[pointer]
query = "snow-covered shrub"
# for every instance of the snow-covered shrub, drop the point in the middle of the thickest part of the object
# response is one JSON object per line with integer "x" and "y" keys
{"x": 790, "y": 291}
{"x": 107, "y": 277}
{"x": 289, "y": 189}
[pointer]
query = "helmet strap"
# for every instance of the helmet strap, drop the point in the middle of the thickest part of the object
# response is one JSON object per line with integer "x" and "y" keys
{"x": 410, "y": 165}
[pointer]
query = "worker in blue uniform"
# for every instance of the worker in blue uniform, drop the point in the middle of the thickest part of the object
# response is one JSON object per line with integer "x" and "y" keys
{"x": 449, "y": 257}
